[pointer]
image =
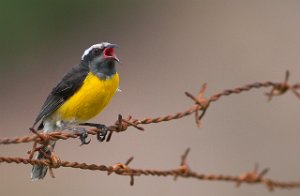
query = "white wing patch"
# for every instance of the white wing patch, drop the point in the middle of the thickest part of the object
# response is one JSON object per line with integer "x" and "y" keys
{"x": 101, "y": 46}
{"x": 118, "y": 89}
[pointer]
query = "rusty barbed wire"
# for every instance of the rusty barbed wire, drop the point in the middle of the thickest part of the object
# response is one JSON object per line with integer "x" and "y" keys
{"x": 201, "y": 104}
{"x": 183, "y": 171}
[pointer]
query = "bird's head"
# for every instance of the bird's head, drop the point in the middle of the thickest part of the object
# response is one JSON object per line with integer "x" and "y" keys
{"x": 101, "y": 59}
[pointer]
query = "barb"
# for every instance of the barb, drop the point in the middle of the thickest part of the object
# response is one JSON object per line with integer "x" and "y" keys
{"x": 183, "y": 171}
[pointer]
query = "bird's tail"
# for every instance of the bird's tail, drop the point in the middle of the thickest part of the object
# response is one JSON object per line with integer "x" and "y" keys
{"x": 38, "y": 172}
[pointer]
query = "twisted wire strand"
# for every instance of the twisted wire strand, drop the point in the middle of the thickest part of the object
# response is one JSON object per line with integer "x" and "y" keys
{"x": 124, "y": 170}
{"x": 62, "y": 135}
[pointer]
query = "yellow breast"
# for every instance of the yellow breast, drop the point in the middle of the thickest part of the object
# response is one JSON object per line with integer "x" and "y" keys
{"x": 89, "y": 100}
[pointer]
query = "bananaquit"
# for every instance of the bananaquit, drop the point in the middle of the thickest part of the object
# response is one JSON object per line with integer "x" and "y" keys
{"x": 81, "y": 94}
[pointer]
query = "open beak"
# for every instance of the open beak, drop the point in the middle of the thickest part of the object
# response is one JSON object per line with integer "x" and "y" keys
{"x": 109, "y": 52}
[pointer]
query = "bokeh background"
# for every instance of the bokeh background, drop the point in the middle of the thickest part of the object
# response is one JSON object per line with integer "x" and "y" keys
{"x": 167, "y": 48}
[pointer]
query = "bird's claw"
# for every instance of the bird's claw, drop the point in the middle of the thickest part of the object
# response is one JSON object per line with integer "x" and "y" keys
{"x": 83, "y": 138}
{"x": 101, "y": 135}
{"x": 83, "y": 135}
{"x": 103, "y": 130}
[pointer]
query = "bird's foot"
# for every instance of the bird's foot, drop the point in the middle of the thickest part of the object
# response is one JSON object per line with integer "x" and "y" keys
{"x": 101, "y": 135}
{"x": 83, "y": 135}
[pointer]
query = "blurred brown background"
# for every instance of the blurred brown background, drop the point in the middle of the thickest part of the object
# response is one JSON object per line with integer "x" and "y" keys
{"x": 167, "y": 48}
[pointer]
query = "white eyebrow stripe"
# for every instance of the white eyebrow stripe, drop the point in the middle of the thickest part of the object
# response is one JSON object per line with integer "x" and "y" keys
{"x": 101, "y": 46}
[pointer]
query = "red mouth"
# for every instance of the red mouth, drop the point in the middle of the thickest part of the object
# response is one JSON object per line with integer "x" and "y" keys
{"x": 109, "y": 53}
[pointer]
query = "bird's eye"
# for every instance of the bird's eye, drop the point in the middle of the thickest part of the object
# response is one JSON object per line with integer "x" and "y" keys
{"x": 96, "y": 51}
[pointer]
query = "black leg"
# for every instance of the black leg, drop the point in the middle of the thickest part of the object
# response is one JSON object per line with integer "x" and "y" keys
{"x": 101, "y": 135}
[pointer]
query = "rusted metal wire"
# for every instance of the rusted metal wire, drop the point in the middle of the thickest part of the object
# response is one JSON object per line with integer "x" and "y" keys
{"x": 183, "y": 171}
{"x": 200, "y": 106}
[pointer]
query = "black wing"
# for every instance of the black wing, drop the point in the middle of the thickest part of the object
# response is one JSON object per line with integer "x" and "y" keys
{"x": 69, "y": 84}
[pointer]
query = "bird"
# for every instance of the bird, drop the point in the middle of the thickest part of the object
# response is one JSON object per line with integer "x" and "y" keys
{"x": 80, "y": 95}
